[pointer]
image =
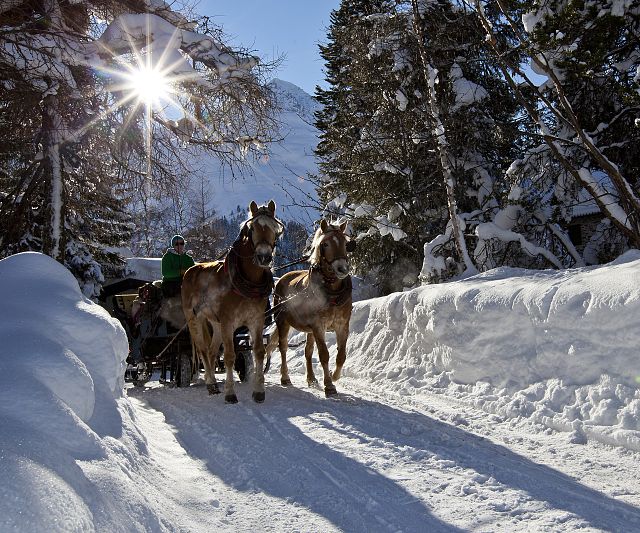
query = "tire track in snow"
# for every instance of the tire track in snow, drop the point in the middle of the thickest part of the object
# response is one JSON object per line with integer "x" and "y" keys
{"x": 256, "y": 449}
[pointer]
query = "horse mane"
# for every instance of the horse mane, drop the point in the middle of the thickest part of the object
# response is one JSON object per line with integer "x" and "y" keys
{"x": 314, "y": 255}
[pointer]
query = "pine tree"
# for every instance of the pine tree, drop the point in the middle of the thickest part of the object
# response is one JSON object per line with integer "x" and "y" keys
{"x": 583, "y": 113}
{"x": 379, "y": 144}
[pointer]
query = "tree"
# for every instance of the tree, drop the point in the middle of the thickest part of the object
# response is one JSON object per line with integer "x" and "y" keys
{"x": 396, "y": 134}
{"x": 81, "y": 132}
{"x": 584, "y": 112}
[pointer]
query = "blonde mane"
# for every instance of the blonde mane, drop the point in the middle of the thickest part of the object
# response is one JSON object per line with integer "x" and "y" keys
{"x": 314, "y": 255}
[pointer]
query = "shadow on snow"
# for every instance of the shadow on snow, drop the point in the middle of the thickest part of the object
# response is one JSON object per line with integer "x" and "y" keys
{"x": 258, "y": 448}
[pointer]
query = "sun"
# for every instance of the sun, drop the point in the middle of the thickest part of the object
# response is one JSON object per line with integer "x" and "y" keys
{"x": 149, "y": 85}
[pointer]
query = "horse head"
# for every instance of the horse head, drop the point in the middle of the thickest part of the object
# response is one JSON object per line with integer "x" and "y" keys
{"x": 329, "y": 248}
{"x": 262, "y": 230}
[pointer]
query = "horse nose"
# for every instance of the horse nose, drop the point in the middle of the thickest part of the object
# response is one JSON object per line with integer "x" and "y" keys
{"x": 343, "y": 269}
{"x": 265, "y": 259}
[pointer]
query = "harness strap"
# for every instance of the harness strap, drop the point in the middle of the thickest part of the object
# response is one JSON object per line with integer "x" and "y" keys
{"x": 241, "y": 285}
{"x": 333, "y": 297}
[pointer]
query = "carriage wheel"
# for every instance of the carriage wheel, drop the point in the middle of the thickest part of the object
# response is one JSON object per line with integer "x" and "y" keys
{"x": 184, "y": 370}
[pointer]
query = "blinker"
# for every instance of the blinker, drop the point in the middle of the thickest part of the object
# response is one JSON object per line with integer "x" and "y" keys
{"x": 350, "y": 246}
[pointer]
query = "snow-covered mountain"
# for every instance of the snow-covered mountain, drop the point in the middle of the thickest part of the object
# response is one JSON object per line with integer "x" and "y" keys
{"x": 282, "y": 175}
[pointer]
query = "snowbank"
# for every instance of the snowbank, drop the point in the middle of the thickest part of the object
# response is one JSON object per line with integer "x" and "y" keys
{"x": 62, "y": 363}
{"x": 558, "y": 346}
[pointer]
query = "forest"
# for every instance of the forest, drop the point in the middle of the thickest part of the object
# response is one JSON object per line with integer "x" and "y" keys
{"x": 455, "y": 136}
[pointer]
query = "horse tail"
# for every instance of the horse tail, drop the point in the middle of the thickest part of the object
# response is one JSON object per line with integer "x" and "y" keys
{"x": 272, "y": 344}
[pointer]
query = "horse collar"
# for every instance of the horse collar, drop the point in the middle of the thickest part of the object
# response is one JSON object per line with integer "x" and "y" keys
{"x": 334, "y": 297}
{"x": 241, "y": 285}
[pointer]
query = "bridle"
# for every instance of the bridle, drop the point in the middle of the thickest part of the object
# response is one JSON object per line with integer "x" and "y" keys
{"x": 349, "y": 247}
{"x": 232, "y": 266}
{"x": 247, "y": 231}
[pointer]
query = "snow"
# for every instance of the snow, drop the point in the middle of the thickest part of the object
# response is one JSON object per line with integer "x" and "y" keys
{"x": 466, "y": 92}
{"x": 507, "y": 401}
{"x": 144, "y": 268}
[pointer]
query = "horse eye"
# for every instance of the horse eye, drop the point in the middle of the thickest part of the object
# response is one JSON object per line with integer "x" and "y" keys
{"x": 324, "y": 245}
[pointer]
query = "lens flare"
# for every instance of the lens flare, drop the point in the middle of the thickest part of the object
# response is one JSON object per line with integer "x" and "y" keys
{"x": 150, "y": 86}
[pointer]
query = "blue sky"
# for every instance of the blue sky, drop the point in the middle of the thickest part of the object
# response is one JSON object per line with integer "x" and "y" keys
{"x": 278, "y": 27}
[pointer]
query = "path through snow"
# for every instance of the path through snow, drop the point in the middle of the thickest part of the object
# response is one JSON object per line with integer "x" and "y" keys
{"x": 373, "y": 461}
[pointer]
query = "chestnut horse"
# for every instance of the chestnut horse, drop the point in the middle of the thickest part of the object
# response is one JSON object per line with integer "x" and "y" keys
{"x": 221, "y": 296}
{"x": 316, "y": 301}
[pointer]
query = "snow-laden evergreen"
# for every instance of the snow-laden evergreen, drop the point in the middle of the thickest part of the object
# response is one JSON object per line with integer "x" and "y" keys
{"x": 506, "y": 161}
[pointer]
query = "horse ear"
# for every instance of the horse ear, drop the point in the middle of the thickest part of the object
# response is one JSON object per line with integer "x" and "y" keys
{"x": 324, "y": 226}
{"x": 272, "y": 207}
{"x": 253, "y": 208}
{"x": 343, "y": 226}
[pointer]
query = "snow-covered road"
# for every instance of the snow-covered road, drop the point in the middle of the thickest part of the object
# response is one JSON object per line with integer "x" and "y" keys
{"x": 504, "y": 402}
{"x": 370, "y": 461}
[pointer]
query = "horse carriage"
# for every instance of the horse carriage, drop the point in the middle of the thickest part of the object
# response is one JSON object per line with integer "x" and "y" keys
{"x": 158, "y": 336}
{"x": 223, "y": 304}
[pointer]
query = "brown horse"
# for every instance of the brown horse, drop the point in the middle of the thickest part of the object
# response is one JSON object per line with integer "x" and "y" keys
{"x": 316, "y": 301}
{"x": 221, "y": 296}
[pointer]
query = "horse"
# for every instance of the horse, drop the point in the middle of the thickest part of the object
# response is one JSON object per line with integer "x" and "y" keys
{"x": 220, "y": 296}
{"x": 315, "y": 301}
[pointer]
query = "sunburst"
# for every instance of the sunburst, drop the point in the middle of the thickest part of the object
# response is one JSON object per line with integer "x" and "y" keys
{"x": 150, "y": 86}
{"x": 146, "y": 77}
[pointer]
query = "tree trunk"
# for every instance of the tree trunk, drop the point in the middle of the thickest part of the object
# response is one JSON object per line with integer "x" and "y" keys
{"x": 441, "y": 137}
{"x": 53, "y": 223}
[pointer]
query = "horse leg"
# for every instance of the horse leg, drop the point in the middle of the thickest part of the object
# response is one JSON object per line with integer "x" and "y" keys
{"x": 283, "y": 345}
{"x": 257, "y": 345}
{"x": 212, "y": 361}
{"x": 229, "y": 361}
{"x": 342, "y": 332}
{"x": 197, "y": 332}
{"x": 323, "y": 353}
{"x": 308, "y": 352}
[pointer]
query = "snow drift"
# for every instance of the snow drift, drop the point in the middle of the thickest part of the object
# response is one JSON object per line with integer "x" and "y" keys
{"x": 559, "y": 346}
{"x": 62, "y": 364}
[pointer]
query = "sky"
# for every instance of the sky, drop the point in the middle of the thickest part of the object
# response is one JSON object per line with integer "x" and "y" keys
{"x": 278, "y": 27}
{"x": 443, "y": 422}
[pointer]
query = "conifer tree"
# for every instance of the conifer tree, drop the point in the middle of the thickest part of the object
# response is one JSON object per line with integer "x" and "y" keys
{"x": 378, "y": 148}
{"x": 584, "y": 113}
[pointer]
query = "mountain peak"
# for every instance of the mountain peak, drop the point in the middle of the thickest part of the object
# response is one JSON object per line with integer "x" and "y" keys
{"x": 291, "y": 98}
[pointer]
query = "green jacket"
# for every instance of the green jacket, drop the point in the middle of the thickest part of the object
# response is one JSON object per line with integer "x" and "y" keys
{"x": 174, "y": 265}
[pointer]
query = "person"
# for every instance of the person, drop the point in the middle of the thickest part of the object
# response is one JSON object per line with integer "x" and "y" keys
{"x": 175, "y": 263}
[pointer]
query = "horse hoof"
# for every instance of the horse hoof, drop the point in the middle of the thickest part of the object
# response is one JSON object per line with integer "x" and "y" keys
{"x": 258, "y": 397}
{"x": 230, "y": 398}
{"x": 285, "y": 382}
{"x": 213, "y": 389}
{"x": 330, "y": 391}
{"x": 313, "y": 383}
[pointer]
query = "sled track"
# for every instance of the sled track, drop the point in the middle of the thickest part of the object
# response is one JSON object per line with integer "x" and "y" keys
{"x": 378, "y": 462}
